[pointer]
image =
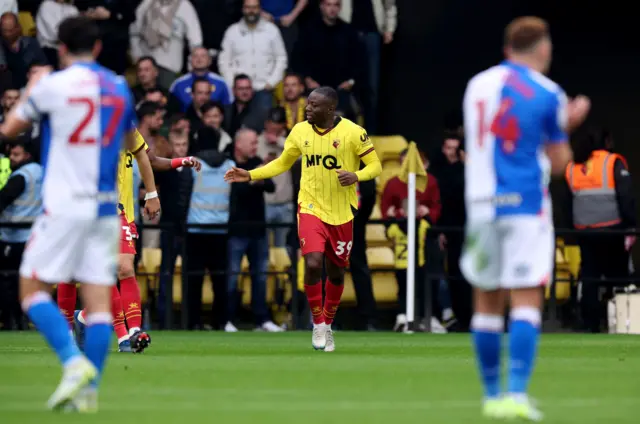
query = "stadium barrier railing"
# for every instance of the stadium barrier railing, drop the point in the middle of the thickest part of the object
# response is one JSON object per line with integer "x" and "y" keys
{"x": 297, "y": 312}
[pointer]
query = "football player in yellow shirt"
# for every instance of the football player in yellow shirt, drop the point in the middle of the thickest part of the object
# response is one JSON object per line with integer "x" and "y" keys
{"x": 126, "y": 303}
{"x": 332, "y": 148}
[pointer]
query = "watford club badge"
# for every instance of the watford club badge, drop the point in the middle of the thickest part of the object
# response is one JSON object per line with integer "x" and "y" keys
{"x": 302, "y": 242}
{"x": 336, "y": 143}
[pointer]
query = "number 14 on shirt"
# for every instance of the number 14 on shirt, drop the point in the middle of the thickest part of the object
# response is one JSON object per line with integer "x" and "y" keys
{"x": 504, "y": 125}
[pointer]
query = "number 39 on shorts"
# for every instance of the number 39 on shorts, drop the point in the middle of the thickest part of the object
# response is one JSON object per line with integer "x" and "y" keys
{"x": 341, "y": 246}
{"x": 127, "y": 232}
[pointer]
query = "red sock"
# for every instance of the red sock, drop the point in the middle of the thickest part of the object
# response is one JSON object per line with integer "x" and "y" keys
{"x": 333, "y": 293}
{"x": 314, "y": 297}
{"x": 131, "y": 302}
{"x": 66, "y": 297}
{"x": 118, "y": 314}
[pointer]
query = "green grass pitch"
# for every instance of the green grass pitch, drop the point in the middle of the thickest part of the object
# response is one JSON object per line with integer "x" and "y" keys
{"x": 372, "y": 378}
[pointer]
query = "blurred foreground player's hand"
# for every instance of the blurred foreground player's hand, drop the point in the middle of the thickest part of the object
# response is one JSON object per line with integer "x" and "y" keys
{"x": 577, "y": 111}
{"x": 237, "y": 175}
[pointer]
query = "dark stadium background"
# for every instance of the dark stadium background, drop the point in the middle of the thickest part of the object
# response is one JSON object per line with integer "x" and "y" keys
{"x": 440, "y": 44}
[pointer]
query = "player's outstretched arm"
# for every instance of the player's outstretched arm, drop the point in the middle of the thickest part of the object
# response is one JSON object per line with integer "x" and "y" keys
{"x": 281, "y": 164}
{"x": 276, "y": 167}
{"x": 164, "y": 164}
{"x": 152, "y": 203}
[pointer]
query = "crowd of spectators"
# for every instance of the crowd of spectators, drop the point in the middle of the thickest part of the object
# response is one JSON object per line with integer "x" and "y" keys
{"x": 226, "y": 80}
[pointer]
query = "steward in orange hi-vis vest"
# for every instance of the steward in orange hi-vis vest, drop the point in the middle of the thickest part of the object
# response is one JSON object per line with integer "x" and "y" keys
{"x": 593, "y": 185}
{"x": 600, "y": 197}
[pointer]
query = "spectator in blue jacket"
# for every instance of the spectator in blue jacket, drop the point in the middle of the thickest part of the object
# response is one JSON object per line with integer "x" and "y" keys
{"x": 207, "y": 247}
{"x": 200, "y": 62}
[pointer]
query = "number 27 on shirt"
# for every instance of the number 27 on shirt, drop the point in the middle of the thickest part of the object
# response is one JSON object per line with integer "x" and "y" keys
{"x": 117, "y": 103}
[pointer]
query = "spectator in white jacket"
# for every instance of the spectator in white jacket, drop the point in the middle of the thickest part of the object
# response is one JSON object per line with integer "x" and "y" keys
{"x": 8, "y": 6}
{"x": 254, "y": 46}
{"x": 375, "y": 22}
{"x": 160, "y": 30}
{"x": 50, "y": 14}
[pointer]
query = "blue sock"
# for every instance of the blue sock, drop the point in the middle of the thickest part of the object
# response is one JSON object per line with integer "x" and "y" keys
{"x": 487, "y": 337}
{"x": 523, "y": 339}
{"x": 98, "y": 337}
{"x": 47, "y": 318}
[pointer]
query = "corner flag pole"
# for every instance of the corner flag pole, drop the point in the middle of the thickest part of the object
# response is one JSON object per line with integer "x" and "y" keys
{"x": 411, "y": 258}
{"x": 415, "y": 176}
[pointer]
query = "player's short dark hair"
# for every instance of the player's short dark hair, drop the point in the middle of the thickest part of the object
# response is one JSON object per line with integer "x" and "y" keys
{"x": 79, "y": 34}
{"x": 197, "y": 81}
{"x": 149, "y": 58}
{"x": 147, "y": 108}
{"x": 291, "y": 74}
{"x": 277, "y": 115}
{"x": 212, "y": 105}
{"x": 240, "y": 77}
{"x": 329, "y": 93}
{"x": 525, "y": 32}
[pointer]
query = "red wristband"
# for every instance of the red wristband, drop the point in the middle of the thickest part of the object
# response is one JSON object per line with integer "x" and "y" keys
{"x": 177, "y": 162}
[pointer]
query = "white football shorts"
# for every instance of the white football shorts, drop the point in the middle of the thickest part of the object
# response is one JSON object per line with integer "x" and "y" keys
{"x": 509, "y": 253}
{"x": 63, "y": 249}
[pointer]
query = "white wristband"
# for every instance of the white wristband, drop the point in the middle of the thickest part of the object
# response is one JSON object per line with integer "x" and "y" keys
{"x": 151, "y": 195}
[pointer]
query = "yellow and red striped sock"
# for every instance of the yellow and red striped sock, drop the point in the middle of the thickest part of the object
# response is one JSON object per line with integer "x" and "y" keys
{"x": 131, "y": 302}
{"x": 314, "y": 297}
{"x": 333, "y": 294}
{"x": 118, "y": 315}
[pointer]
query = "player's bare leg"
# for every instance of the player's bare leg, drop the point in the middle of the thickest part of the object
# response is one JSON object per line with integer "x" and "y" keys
{"x": 313, "y": 289}
{"x": 333, "y": 289}
{"x": 78, "y": 371}
{"x": 132, "y": 303}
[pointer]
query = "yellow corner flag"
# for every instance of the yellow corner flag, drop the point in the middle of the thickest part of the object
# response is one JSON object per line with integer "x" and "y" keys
{"x": 413, "y": 164}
